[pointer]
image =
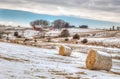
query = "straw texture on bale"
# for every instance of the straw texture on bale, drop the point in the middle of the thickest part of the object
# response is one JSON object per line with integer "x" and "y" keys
{"x": 65, "y": 51}
{"x": 98, "y": 60}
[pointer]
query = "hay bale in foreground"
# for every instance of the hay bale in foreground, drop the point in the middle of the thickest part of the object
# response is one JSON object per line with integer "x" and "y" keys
{"x": 65, "y": 51}
{"x": 98, "y": 60}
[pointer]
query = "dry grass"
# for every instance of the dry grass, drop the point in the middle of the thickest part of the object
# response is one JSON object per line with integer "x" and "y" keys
{"x": 13, "y": 59}
{"x": 41, "y": 77}
{"x": 83, "y": 73}
{"x": 72, "y": 77}
{"x": 65, "y": 74}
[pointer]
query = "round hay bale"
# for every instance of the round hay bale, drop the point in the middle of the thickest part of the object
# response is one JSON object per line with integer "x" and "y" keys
{"x": 84, "y": 41}
{"x": 16, "y": 34}
{"x": 66, "y": 39}
{"x": 65, "y": 33}
{"x": 98, "y": 60}
{"x": 76, "y": 36}
{"x": 65, "y": 51}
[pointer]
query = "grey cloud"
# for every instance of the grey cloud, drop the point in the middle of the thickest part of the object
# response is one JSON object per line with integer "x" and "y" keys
{"x": 82, "y": 8}
{"x": 105, "y": 5}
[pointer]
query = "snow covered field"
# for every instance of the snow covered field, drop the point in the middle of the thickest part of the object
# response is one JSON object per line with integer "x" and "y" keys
{"x": 107, "y": 42}
{"x": 72, "y": 31}
{"x": 23, "y": 62}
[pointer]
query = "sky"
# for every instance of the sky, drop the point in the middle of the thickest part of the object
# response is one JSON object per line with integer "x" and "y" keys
{"x": 94, "y": 13}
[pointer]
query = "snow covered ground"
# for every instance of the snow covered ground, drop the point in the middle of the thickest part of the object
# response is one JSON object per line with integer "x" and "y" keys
{"x": 71, "y": 30}
{"x": 23, "y": 62}
{"x": 110, "y": 40}
{"x": 82, "y": 30}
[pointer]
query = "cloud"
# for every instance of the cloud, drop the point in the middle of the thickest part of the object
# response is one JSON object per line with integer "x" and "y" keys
{"x": 105, "y": 10}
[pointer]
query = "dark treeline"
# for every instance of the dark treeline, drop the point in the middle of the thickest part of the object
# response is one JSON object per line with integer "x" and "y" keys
{"x": 59, "y": 23}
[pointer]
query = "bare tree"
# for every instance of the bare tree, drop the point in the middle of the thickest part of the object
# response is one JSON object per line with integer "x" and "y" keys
{"x": 59, "y": 23}
{"x": 42, "y": 23}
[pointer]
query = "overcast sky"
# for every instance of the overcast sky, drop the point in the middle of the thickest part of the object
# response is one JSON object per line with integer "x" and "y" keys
{"x": 103, "y": 10}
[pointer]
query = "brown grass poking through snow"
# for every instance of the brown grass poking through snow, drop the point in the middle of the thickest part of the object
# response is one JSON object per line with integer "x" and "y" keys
{"x": 98, "y": 60}
{"x": 13, "y": 59}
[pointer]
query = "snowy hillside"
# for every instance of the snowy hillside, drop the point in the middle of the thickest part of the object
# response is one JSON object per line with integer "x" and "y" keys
{"x": 30, "y": 33}
{"x": 81, "y": 30}
{"x": 71, "y": 30}
{"x": 22, "y": 62}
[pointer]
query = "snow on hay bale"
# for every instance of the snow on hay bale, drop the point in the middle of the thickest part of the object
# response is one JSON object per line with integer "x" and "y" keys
{"x": 65, "y": 51}
{"x": 98, "y": 60}
{"x": 84, "y": 41}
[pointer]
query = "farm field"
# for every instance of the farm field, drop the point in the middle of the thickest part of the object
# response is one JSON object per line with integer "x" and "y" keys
{"x": 18, "y": 62}
{"x": 40, "y": 59}
{"x": 59, "y": 39}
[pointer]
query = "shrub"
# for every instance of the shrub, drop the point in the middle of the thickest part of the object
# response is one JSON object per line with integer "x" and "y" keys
{"x": 84, "y": 41}
{"x": 65, "y": 33}
{"x": 19, "y": 36}
{"x": 16, "y": 34}
{"x": 66, "y": 39}
{"x": 49, "y": 39}
{"x": 0, "y": 36}
{"x": 76, "y": 36}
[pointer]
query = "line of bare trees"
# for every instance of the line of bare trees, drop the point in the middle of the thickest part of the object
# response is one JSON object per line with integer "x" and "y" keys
{"x": 59, "y": 23}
